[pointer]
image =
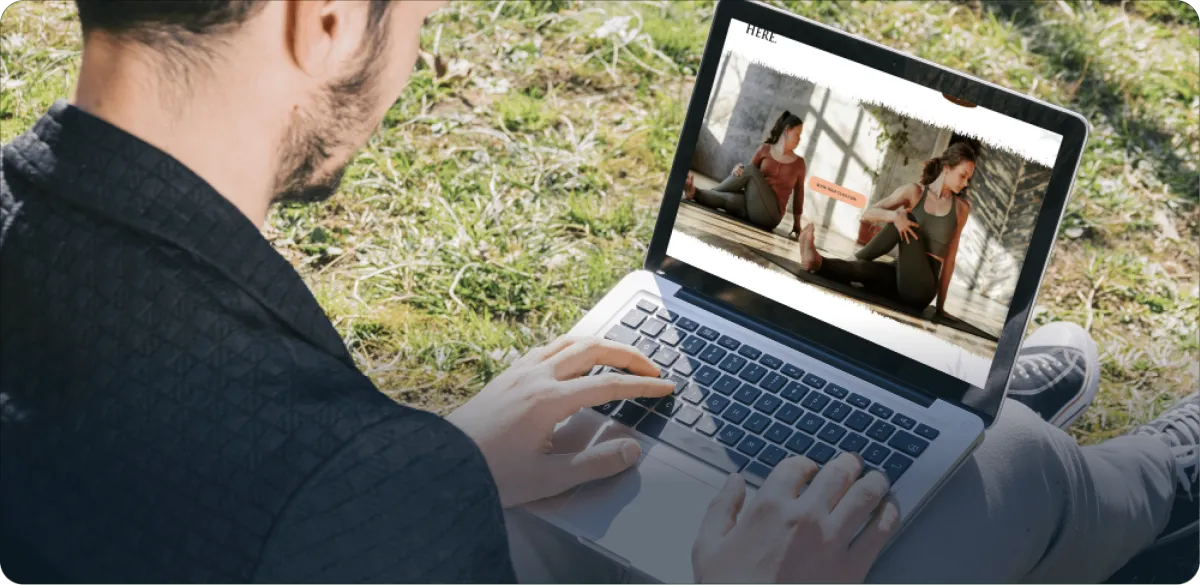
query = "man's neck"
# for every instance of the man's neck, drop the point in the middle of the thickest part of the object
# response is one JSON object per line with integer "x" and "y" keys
{"x": 201, "y": 125}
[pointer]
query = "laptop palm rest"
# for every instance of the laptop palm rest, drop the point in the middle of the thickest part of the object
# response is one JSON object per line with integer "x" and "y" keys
{"x": 648, "y": 515}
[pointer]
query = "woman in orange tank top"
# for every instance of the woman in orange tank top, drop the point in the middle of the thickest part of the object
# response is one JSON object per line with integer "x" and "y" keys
{"x": 759, "y": 193}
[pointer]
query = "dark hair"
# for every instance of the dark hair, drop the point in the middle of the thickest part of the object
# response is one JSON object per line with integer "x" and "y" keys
{"x": 954, "y": 154}
{"x": 786, "y": 121}
{"x": 172, "y": 25}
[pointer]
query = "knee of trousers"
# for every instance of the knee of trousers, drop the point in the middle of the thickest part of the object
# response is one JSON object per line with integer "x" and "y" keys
{"x": 1030, "y": 453}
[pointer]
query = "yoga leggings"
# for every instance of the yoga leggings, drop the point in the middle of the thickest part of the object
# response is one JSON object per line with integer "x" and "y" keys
{"x": 912, "y": 279}
{"x": 749, "y": 197}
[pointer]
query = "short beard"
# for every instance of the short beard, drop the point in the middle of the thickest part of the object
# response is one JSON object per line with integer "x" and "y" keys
{"x": 312, "y": 138}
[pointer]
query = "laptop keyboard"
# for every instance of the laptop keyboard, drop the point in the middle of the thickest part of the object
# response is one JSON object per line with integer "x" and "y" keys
{"x": 744, "y": 410}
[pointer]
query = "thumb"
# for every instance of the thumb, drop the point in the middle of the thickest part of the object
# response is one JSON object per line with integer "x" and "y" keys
{"x": 596, "y": 462}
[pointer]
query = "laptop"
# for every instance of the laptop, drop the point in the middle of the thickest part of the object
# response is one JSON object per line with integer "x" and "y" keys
{"x": 771, "y": 360}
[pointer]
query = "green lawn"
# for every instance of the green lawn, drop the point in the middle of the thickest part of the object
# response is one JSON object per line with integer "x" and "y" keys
{"x": 496, "y": 204}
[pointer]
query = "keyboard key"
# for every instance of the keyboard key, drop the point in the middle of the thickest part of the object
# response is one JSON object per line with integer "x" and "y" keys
{"x": 751, "y": 445}
{"x": 895, "y": 466}
{"x": 880, "y": 431}
{"x": 858, "y": 400}
{"x": 757, "y": 422}
{"x": 859, "y": 421}
{"x": 747, "y": 394}
{"x": 836, "y": 391}
{"x": 732, "y": 363}
{"x": 815, "y": 381}
{"x": 652, "y": 327}
{"x": 772, "y": 455}
{"x": 730, "y": 435}
{"x": 831, "y": 433}
{"x": 880, "y": 411}
{"x": 629, "y": 413}
{"x": 652, "y": 425}
{"x": 767, "y": 403}
{"x": 687, "y": 415}
{"x": 727, "y": 385}
{"x": 821, "y": 453}
{"x": 908, "y": 444}
{"x": 665, "y": 356}
{"x": 668, "y": 406}
{"x": 647, "y": 306}
{"x": 715, "y": 403}
{"x": 707, "y": 425}
{"x": 749, "y": 353}
{"x": 789, "y": 413}
{"x": 756, "y": 473}
{"x": 665, "y": 315}
{"x": 815, "y": 401}
{"x": 811, "y": 423}
{"x": 729, "y": 343}
{"x": 724, "y": 458}
{"x": 693, "y": 393}
{"x": 692, "y": 345}
{"x": 790, "y": 371}
{"x": 753, "y": 373}
{"x": 707, "y": 375}
{"x": 773, "y": 382}
{"x": 778, "y": 433}
{"x": 794, "y": 391}
{"x": 928, "y": 432}
{"x": 633, "y": 319}
{"x": 622, "y": 334}
{"x": 686, "y": 366}
{"x": 837, "y": 411}
{"x": 876, "y": 453}
{"x": 853, "y": 443}
{"x": 736, "y": 413}
{"x": 647, "y": 346}
{"x": 647, "y": 401}
{"x": 680, "y": 383}
{"x": 670, "y": 336}
{"x": 904, "y": 422}
{"x": 771, "y": 361}
{"x": 607, "y": 408}
{"x": 708, "y": 333}
{"x": 799, "y": 443}
{"x": 687, "y": 324}
{"x": 713, "y": 354}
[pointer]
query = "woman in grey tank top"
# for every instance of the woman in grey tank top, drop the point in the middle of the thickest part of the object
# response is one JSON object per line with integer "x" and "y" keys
{"x": 925, "y": 219}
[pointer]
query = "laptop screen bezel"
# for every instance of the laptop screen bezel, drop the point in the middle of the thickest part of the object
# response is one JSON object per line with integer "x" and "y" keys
{"x": 868, "y": 355}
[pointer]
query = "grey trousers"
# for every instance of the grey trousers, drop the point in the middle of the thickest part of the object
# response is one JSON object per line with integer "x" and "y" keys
{"x": 749, "y": 197}
{"x": 1030, "y": 505}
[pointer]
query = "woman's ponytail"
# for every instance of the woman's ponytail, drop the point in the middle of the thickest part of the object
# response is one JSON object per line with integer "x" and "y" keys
{"x": 785, "y": 121}
{"x": 954, "y": 154}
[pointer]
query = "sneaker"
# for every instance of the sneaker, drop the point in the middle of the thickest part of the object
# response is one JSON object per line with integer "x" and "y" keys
{"x": 1056, "y": 373}
{"x": 1179, "y": 428}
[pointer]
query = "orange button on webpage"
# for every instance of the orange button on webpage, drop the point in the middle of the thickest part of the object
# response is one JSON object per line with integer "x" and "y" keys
{"x": 836, "y": 191}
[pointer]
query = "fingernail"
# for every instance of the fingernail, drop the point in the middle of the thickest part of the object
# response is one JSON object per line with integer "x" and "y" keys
{"x": 890, "y": 516}
{"x": 630, "y": 452}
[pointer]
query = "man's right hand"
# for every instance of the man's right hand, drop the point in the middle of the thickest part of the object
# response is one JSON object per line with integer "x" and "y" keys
{"x": 784, "y": 537}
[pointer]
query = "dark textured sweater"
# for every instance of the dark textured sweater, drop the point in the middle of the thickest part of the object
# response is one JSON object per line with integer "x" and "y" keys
{"x": 175, "y": 406}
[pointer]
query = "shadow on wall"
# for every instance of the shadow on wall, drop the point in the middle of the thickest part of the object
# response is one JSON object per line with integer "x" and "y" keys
{"x": 873, "y": 151}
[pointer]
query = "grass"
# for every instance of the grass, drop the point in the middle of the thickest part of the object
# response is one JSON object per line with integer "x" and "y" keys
{"x": 492, "y": 209}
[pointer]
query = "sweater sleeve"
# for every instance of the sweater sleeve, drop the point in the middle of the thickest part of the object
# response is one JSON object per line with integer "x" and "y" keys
{"x": 757, "y": 159}
{"x": 408, "y": 500}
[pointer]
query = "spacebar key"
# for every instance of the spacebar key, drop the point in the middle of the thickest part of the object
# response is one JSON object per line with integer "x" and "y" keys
{"x": 695, "y": 445}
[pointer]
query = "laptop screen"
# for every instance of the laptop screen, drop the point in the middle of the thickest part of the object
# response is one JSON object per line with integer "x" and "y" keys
{"x": 879, "y": 206}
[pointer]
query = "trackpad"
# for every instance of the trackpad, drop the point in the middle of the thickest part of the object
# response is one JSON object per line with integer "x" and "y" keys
{"x": 649, "y": 515}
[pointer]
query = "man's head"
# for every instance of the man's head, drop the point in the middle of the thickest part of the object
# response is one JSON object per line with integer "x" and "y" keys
{"x": 328, "y": 70}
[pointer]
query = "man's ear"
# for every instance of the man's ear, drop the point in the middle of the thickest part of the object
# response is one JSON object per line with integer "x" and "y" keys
{"x": 317, "y": 32}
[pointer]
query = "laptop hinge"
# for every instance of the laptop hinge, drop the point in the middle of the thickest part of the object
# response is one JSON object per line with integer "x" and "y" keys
{"x": 857, "y": 369}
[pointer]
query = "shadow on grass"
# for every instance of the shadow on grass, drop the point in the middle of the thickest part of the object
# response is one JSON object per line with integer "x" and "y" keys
{"x": 1096, "y": 96}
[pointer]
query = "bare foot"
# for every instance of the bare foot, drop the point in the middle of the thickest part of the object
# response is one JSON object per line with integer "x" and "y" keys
{"x": 810, "y": 259}
{"x": 689, "y": 188}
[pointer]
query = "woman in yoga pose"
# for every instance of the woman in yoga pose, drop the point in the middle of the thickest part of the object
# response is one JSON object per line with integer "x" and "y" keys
{"x": 759, "y": 193}
{"x": 925, "y": 219}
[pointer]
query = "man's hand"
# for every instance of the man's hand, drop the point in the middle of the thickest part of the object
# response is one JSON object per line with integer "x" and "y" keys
{"x": 782, "y": 538}
{"x": 513, "y": 418}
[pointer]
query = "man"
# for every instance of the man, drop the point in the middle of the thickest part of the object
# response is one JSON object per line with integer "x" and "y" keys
{"x": 176, "y": 407}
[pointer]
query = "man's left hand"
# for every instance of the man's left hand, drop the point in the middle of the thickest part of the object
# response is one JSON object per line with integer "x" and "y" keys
{"x": 513, "y": 418}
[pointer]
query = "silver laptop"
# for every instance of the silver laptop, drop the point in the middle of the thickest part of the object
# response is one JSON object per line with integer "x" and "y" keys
{"x": 771, "y": 360}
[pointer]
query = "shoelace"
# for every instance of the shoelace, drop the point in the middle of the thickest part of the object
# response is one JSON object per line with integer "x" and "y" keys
{"x": 1185, "y": 421}
{"x": 1044, "y": 363}
{"x": 1187, "y": 470}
